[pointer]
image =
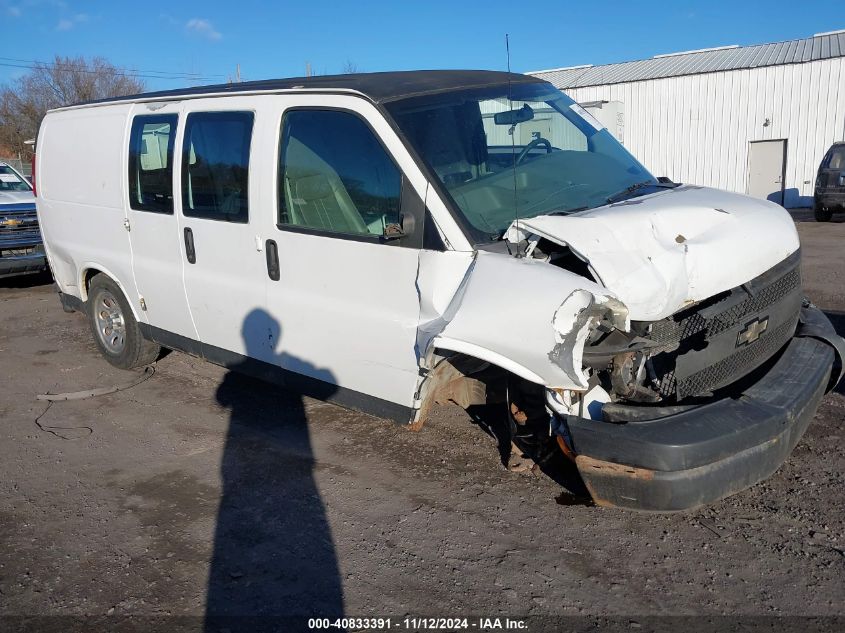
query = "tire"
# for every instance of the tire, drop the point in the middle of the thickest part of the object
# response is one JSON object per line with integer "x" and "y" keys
{"x": 531, "y": 435}
{"x": 113, "y": 325}
{"x": 823, "y": 214}
{"x": 529, "y": 421}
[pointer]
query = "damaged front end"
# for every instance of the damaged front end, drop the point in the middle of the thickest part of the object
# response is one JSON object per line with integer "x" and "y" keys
{"x": 684, "y": 410}
{"x": 669, "y": 379}
{"x": 704, "y": 348}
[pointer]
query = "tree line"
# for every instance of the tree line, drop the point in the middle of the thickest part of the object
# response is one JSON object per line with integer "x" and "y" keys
{"x": 62, "y": 82}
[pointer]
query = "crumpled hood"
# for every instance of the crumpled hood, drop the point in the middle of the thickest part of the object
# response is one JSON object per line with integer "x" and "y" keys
{"x": 16, "y": 197}
{"x": 661, "y": 252}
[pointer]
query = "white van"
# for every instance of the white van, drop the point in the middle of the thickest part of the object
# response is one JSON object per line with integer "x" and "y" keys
{"x": 387, "y": 240}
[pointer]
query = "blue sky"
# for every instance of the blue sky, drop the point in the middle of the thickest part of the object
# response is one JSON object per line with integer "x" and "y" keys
{"x": 276, "y": 39}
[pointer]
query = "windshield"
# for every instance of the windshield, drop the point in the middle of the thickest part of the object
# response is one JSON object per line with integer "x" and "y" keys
{"x": 11, "y": 181}
{"x": 535, "y": 153}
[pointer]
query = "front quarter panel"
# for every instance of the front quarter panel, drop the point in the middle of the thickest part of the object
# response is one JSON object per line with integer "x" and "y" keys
{"x": 527, "y": 317}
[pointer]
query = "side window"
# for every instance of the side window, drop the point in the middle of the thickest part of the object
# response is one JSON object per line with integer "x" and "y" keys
{"x": 215, "y": 165}
{"x": 334, "y": 175}
{"x": 151, "y": 163}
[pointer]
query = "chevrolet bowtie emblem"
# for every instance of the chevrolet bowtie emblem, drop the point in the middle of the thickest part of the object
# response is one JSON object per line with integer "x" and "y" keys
{"x": 752, "y": 331}
{"x": 11, "y": 222}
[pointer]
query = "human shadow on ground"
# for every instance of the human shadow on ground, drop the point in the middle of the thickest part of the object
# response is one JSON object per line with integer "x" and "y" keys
{"x": 274, "y": 556}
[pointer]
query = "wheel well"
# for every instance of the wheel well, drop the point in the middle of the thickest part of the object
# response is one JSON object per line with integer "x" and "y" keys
{"x": 462, "y": 379}
{"x": 87, "y": 276}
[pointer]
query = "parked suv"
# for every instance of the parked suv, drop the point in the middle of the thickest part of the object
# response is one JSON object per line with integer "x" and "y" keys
{"x": 389, "y": 240}
{"x": 829, "y": 195}
{"x": 21, "y": 250}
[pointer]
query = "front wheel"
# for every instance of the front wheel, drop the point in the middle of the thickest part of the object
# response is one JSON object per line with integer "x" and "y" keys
{"x": 116, "y": 332}
{"x": 529, "y": 420}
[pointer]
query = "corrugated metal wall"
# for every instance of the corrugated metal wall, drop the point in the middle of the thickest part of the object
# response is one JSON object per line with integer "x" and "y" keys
{"x": 697, "y": 128}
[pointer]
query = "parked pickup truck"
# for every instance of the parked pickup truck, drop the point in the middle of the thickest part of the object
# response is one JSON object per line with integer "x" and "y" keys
{"x": 21, "y": 250}
{"x": 389, "y": 240}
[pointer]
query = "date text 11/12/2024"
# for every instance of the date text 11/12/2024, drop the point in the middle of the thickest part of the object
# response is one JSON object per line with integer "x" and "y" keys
{"x": 418, "y": 624}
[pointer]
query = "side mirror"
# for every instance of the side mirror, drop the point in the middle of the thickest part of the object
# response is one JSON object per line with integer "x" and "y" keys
{"x": 404, "y": 228}
{"x": 392, "y": 232}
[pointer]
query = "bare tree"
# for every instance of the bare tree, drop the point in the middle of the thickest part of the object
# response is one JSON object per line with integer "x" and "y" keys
{"x": 65, "y": 81}
{"x": 350, "y": 68}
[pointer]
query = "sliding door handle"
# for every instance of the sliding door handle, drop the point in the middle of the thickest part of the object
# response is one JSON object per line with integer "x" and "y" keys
{"x": 272, "y": 251}
{"x": 190, "y": 252}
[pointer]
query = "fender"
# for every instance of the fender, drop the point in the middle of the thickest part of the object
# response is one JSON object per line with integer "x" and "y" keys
{"x": 528, "y": 317}
{"x": 87, "y": 266}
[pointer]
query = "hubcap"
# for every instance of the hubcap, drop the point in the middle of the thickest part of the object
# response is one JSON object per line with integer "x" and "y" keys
{"x": 110, "y": 326}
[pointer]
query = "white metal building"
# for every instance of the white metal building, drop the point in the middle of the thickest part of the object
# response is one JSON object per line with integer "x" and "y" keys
{"x": 752, "y": 119}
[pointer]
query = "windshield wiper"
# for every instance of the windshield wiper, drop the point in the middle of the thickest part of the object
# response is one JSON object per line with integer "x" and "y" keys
{"x": 567, "y": 211}
{"x": 616, "y": 197}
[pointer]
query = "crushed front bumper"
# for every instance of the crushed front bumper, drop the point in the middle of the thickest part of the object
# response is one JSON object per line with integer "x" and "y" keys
{"x": 684, "y": 457}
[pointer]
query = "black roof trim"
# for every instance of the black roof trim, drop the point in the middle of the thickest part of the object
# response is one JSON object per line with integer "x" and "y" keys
{"x": 379, "y": 87}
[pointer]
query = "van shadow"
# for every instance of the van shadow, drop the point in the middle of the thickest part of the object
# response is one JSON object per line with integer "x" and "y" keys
{"x": 273, "y": 555}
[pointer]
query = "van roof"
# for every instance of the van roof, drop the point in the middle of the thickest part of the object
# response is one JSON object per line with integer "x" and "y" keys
{"x": 379, "y": 87}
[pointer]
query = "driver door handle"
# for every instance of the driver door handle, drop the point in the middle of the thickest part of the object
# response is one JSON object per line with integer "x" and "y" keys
{"x": 272, "y": 251}
{"x": 190, "y": 252}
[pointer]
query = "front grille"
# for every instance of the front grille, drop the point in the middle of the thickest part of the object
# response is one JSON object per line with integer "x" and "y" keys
{"x": 670, "y": 331}
{"x": 738, "y": 364}
{"x": 700, "y": 351}
{"x": 17, "y": 224}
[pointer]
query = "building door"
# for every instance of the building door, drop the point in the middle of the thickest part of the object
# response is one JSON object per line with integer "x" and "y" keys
{"x": 766, "y": 167}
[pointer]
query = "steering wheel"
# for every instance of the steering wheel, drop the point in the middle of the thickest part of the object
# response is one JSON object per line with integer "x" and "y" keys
{"x": 534, "y": 143}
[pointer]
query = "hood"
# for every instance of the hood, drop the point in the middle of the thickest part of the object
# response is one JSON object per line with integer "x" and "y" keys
{"x": 16, "y": 197}
{"x": 662, "y": 252}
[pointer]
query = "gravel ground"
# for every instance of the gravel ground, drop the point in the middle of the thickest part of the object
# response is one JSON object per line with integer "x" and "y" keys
{"x": 200, "y": 492}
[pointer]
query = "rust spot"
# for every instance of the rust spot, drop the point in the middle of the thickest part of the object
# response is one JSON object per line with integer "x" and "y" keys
{"x": 613, "y": 470}
{"x": 602, "y": 503}
{"x": 567, "y": 452}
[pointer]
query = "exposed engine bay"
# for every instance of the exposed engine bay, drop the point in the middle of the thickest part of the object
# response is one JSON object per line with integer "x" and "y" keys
{"x": 698, "y": 350}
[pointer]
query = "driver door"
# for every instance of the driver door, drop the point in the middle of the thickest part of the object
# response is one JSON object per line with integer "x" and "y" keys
{"x": 344, "y": 288}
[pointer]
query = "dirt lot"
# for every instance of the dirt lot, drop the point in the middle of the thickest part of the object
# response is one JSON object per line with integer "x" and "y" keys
{"x": 199, "y": 492}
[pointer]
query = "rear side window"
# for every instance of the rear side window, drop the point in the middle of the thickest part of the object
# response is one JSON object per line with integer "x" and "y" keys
{"x": 215, "y": 165}
{"x": 335, "y": 176}
{"x": 837, "y": 158}
{"x": 151, "y": 163}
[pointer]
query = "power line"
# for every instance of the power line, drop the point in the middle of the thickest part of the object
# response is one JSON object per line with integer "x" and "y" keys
{"x": 146, "y": 74}
{"x": 140, "y": 70}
